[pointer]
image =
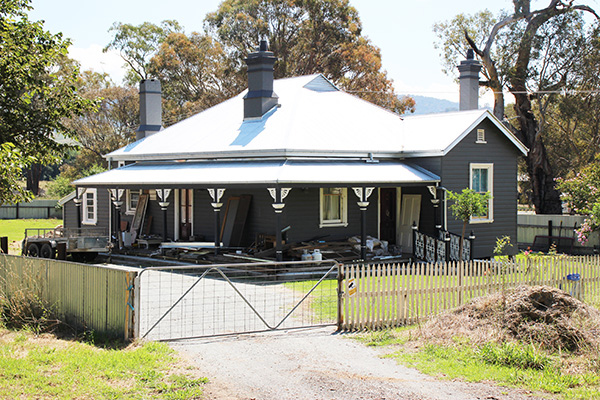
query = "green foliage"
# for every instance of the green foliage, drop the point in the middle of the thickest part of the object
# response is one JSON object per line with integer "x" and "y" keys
{"x": 468, "y": 203}
{"x": 195, "y": 74}
{"x": 37, "y": 94}
{"x": 12, "y": 163}
{"x": 581, "y": 195}
{"x": 60, "y": 187}
{"x": 581, "y": 191}
{"x": 138, "y": 44}
{"x": 60, "y": 369}
{"x": 502, "y": 245}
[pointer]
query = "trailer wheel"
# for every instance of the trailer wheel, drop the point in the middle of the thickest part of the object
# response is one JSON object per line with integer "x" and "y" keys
{"x": 33, "y": 250}
{"x": 47, "y": 251}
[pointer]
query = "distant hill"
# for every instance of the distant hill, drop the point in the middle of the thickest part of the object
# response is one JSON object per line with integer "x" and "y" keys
{"x": 431, "y": 105}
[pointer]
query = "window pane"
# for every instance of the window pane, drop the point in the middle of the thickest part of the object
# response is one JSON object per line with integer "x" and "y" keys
{"x": 133, "y": 199}
{"x": 484, "y": 180}
{"x": 475, "y": 185}
{"x": 332, "y": 204}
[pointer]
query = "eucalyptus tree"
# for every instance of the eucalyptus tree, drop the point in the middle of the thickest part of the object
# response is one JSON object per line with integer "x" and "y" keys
{"x": 530, "y": 53}
{"x": 36, "y": 95}
{"x": 308, "y": 36}
{"x": 137, "y": 44}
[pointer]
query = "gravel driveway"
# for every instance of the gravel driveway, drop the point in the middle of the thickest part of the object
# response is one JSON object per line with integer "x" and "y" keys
{"x": 316, "y": 364}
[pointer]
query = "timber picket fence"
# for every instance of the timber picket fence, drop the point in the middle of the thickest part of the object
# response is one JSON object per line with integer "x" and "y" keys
{"x": 386, "y": 295}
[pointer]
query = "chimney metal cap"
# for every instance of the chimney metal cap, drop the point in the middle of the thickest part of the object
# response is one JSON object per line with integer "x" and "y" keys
{"x": 470, "y": 54}
{"x": 263, "y": 45}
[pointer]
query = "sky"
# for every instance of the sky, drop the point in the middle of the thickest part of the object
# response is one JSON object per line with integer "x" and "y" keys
{"x": 402, "y": 29}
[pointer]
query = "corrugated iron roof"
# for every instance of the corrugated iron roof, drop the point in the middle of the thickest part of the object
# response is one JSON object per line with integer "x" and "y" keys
{"x": 259, "y": 173}
{"x": 314, "y": 119}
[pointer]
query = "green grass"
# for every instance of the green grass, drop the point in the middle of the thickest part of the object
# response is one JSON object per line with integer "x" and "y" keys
{"x": 41, "y": 367}
{"x": 322, "y": 301}
{"x": 507, "y": 364}
{"x": 15, "y": 230}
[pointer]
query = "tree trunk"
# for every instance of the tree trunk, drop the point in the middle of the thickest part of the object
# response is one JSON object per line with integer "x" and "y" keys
{"x": 33, "y": 178}
{"x": 545, "y": 197}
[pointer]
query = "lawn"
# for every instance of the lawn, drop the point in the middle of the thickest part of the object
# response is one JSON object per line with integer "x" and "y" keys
{"x": 45, "y": 367}
{"x": 15, "y": 230}
{"x": 521, "y": 365}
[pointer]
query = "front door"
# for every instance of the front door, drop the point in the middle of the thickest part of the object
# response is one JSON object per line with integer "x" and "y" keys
{"x": 387, "y": 215}
{"x": 410, "y": 212}
{"x": 185, "y": 214}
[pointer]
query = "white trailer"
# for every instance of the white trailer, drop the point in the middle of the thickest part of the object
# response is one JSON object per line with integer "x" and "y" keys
{"x": 83, "y": 244}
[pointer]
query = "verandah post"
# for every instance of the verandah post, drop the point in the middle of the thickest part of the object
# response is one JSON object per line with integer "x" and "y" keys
{"x": 363, "y": 194}
{"x": 216, "y": 195}
{"x": 278, "y": 194}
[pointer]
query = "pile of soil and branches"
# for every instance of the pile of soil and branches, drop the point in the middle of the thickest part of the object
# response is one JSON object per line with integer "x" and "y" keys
{"x": 542, "y": 315}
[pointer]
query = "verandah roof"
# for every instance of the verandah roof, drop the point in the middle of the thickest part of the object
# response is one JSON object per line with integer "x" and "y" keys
{"x": 260, "y": 173}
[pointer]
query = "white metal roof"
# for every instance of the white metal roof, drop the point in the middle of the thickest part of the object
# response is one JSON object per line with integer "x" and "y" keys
{"x": 314, "y": 119}
{"x": 248, "y": 173}
{"x": 437, "y": 134}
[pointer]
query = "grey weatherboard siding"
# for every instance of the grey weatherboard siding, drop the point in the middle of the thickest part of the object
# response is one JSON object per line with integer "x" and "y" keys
{"x": 455, "y": 176}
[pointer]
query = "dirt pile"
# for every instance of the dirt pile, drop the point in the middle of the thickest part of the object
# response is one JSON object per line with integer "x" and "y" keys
{"x": 542, "y": 315}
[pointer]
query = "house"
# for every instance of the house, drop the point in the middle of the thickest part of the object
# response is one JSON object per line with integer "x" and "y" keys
{"x": 301, "y": 156}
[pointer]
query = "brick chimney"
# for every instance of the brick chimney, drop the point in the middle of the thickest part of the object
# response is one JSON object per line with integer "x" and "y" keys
{"x": 469, "y": 82}
{"x": 150, "y": 108}
{"x": 260, "y": 97}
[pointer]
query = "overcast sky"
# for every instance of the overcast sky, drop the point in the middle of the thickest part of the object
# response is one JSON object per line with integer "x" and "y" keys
{"x": 401, "y": 28}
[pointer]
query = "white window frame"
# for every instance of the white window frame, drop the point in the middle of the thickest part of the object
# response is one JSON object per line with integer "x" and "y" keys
{"x": 129, "y": 210}
{"x": 343, "y": 221}
{"x": 85, "y": 219}
{"x": 490, "y": 214}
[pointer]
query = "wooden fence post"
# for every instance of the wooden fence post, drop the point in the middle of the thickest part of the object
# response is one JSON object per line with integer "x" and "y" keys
{"x": 4, "y": 244}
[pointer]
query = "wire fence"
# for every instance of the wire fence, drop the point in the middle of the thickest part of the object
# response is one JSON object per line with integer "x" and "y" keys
{"x": 197, "y": 301}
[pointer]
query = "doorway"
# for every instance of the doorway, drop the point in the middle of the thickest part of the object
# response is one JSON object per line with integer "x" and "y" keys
{"x": 387, "y": 215}
{"x": 186, "y": 213}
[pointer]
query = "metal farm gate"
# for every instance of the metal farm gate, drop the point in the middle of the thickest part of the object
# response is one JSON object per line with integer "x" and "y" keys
{"x": 197, "y": 301}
